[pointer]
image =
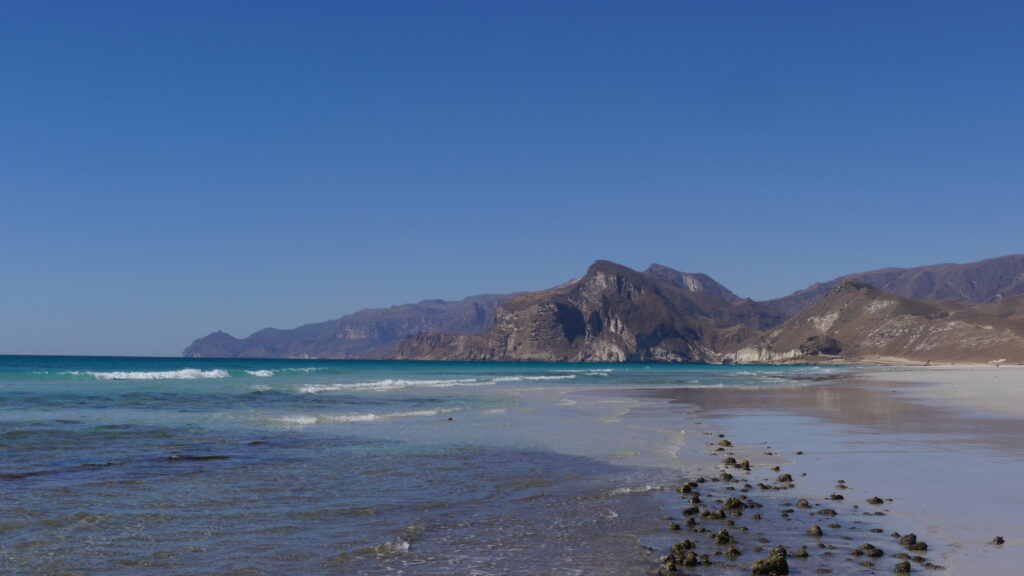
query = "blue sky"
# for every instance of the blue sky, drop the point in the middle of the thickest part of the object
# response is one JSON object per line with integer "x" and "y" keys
{"x": 172, "y": 168}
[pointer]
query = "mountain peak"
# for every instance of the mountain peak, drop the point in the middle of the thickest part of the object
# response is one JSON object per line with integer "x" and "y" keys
{"x": 851, "y": 284}
{"x": 692, "y": 282}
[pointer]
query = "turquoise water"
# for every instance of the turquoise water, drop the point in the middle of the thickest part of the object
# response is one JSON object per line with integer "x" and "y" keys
{"x": 206, "y": 466}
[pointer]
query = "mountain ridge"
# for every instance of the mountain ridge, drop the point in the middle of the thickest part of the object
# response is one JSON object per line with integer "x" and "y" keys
{"x": 704, "y": 321}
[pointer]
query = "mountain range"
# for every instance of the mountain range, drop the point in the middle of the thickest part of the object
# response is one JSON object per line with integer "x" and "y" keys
{"x": 947, "y": 312}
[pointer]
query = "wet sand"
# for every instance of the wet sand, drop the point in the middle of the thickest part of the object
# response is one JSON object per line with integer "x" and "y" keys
{"x": 946, "y": 445}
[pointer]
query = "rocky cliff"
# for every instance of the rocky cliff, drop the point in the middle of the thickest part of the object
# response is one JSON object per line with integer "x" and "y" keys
{"x": 698, "y": 283}
{"x": 611, "y": 314}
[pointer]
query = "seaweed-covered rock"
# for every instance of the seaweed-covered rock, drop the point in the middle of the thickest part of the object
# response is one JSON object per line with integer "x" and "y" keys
{"x": 712, "y": 514}
{"x": 784, "y": 478}
{"x": 733, "y": 503}
{"x": 690, "y": 559}
{"x": 723, "y": 537}
{"x": 999, "y": 541}
{"x": 815, "y": 531}
{"x": 902, "y": 568}
{"x": 875, "y": 500}
{"x": 827, "y": 512}
{"x": 801, "y": 552}
{"x": 774, "y": 564}
{"x": 733, "y": 552}
{"x": 803, "y": 503}
{"x": 730, "y": 460}
{"x": 674, "y": 526}
{"x": 835, "y": 497}
{"x": 679, "y": 548}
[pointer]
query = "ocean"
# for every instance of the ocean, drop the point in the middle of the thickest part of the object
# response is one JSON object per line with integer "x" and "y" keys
{"x": 130, "y": 466}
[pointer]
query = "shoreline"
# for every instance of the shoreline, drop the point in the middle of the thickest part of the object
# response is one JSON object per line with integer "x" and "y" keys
{"x": 942, "y": 442}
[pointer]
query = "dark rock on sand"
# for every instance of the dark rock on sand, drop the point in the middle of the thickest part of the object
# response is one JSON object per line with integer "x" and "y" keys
{"x": 999, "y": 541}
{"x": 784, "y": 478}
{"x": 875, "y": 500}
{"x": 871, "y": 551}
{"x": 902, "y": 568}
{"x": 910, "y": 542}
{"x": 815, "y": 531}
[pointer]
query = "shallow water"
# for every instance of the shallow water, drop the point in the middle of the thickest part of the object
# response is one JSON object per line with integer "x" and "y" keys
{"x": 184, "y": 466}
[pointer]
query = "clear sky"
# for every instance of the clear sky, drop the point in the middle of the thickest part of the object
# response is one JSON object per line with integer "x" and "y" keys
{"x": 172, "y": 168}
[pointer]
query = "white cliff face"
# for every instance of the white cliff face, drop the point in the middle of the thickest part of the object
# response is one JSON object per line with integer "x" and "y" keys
{"x": 760, "y": 354}
{"x": 823, "y": 323}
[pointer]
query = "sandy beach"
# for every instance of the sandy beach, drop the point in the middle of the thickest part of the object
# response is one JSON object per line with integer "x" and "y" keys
{"x": 941, "y": 446}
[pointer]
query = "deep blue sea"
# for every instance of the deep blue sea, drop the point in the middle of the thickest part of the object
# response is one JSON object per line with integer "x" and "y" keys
{"x": 202, "y": 466}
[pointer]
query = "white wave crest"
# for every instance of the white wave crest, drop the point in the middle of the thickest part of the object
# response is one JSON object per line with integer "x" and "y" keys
{"x": 260, "y": 373}
{"x": 531, "y": 378}
{"x": 589, "y": 371}
{"x": 183, "y": 374}
{"x": 398, "y": 546}
{"x": 635, "y": 489}
{"x": 390, "y": 384}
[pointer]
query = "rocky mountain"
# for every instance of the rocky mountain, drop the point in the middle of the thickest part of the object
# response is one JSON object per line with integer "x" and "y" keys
{"x": 372, "y": 333}
{"x": 611, "y": 314}
{"x": 859, "y": 322}
{"x": 978, "y": 282}
{"x": 965, "y": 312}
{"x": 692, "y": 282}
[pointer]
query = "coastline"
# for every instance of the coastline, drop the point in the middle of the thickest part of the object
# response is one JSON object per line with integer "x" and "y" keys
{"x": 942, "y": 442}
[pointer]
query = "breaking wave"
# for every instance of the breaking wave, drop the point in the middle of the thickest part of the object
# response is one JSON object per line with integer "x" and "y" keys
{"x": 396, "y": 384}
{"x": 260, "y": 373}
{"x": 390, "y": 384}
{"x": 183, "y": 374}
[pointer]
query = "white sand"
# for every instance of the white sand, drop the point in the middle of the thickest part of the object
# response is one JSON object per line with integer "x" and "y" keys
{"x": 946, "y": 443}
{"x": 986, "y": 389}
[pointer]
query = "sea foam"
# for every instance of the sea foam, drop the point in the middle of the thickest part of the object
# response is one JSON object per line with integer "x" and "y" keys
{"x": 183, "y": 374}
{"x": 391, "y": 384}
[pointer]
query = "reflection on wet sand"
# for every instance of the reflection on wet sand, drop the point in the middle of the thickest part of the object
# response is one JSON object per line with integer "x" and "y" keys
{"x": 869, "y": 406}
